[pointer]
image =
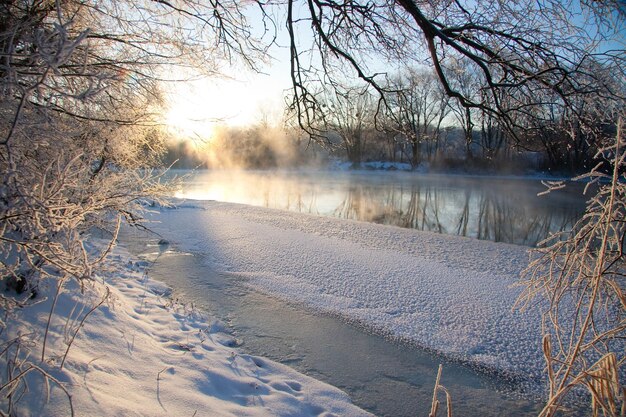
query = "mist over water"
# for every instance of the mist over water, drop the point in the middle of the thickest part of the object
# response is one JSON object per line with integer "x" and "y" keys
{"x": 259, "y": 146}
{"x": 497, "y": 209}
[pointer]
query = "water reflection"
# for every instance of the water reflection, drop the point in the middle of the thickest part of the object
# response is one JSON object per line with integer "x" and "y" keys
{"x": 501, "y": 210}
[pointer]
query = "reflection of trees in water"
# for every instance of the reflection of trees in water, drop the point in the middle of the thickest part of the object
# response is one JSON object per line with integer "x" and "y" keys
{"x": 297, "y": 202}
{"x": 503, "y": 219}
{"x": 493, "y": 214}
{"x": 388, "y": 206}
{"x": 369, "y": 204}
{"x": 490, "y": 210}
{"x": 300, "y": 198}
{"x": 422, "y": 211}
{"x": 357, "y": 204}
{"x": 487, "y": 214}
{"x": 461, "y": 228}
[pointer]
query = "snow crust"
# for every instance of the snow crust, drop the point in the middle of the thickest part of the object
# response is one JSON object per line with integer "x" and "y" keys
{"x": 142, "y": 355}
{"x": 449, "y": 294}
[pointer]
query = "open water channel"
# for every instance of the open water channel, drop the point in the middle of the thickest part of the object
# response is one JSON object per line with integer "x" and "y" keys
{"x": 388, "y": 379}
{"x": 489, "y": 208}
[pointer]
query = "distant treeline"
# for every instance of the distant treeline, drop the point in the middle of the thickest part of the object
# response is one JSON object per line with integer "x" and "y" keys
{"x": 255, "y": 147}
{"x": 418, "y": 125}
{"x": 490, "y": 149}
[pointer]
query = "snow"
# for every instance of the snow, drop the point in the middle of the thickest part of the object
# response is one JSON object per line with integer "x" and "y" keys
{"x": 448, "y": 294}
{"x": 139, "y": 354}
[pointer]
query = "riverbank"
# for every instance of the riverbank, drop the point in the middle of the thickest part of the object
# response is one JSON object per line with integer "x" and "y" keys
{"x": 141, "y": 354}
{"x": 386, "y": 378}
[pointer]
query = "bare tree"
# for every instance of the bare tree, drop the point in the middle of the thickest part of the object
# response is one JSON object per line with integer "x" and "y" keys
{"x": 571, "y": 136}
{"x": 465, "y": 81}
{"x": 517, "y": 50}
{"x": 79, "y": 84}
{"x": 349, "y": 113}
{"x": 493, "y": 136}
{"x": 415, "y": 111}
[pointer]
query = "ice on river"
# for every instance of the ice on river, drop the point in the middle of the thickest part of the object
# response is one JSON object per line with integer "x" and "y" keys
{"x": 448, "y": 294}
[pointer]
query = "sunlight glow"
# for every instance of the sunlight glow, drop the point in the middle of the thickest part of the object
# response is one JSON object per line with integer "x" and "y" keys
{"x": 196, "y": 108}
{"x": 185, "y": 122}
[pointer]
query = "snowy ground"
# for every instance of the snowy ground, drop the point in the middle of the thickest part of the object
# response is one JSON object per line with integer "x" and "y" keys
{"x": 448, "y": 294}
{"x": 141, "y": 355}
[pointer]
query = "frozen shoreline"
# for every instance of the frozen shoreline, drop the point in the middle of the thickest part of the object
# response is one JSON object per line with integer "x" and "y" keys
{"x": 449, "y": 295}
{"x": 139, "y": 354}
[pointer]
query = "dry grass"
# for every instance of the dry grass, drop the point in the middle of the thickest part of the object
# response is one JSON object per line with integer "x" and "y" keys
{"x": 579, "y": 281}
{"x": 434, "y": 408}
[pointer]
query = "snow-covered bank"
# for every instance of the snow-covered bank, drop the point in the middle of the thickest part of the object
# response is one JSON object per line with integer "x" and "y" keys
{"x": 448, "y": 294}
{"x": 141, "y": 355}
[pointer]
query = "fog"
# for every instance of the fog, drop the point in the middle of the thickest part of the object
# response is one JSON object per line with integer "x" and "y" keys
{"x": 265, "y": 146}
{"x": 259, "y": 146}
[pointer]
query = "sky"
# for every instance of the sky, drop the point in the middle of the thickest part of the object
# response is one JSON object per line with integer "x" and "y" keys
{"x": 241, "y": 97}
{"x": 197, "y": 107}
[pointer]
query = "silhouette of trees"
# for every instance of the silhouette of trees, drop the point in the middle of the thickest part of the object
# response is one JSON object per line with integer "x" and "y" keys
{"x": 519, "y": 51}
{"x": 415, "y": 113}
{"x": 350, "y": 114}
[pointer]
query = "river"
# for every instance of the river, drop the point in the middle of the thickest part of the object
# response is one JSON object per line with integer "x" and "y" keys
{"x": 388, "y": 379}
{"x": 488, "y": 208}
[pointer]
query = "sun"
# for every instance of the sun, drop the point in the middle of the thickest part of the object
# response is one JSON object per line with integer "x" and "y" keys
{"x": 182, "y": 123}
{"x": 185, "y": 119}
{"x": 197, "y": 107}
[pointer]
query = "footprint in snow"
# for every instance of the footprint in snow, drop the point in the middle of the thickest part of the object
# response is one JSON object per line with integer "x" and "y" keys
{"x": 290, "y": 387}
{"x": 230, "y": 342}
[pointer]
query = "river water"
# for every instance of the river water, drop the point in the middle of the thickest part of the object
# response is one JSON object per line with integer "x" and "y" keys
{"x": 388, "y": 379}
{"x": 488, "y": 208}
